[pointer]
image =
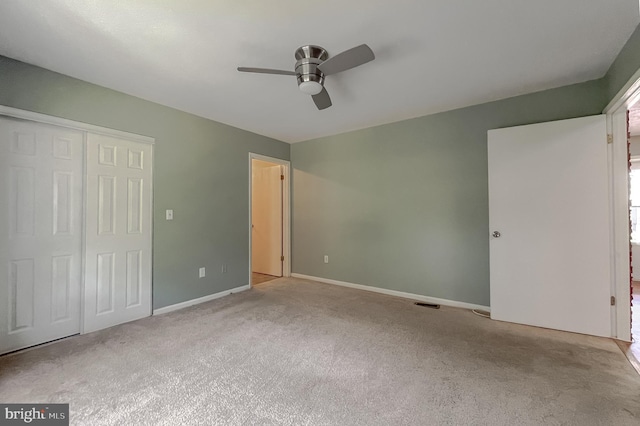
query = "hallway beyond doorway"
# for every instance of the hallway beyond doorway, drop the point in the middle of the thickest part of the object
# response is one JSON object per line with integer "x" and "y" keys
{"x": 258, "y": 278}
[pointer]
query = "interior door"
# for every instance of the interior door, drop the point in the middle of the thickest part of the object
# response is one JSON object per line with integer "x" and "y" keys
{"x": 266, "y": 212}
{"x": 40, "y": 233}
{"x": 118, "y": 236}
{"x": 549, "y": 202}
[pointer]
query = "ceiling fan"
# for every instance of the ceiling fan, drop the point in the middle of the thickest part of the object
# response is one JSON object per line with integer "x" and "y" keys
{"x": 313, "y": 64}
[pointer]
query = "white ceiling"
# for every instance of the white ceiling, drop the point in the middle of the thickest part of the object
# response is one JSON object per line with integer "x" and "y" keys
{"x": 431, "y": 56}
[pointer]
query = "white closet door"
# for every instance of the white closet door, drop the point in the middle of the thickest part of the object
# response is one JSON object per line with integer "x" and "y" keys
{"x": 40, "y": 233}
{"x": 118, "y": 233}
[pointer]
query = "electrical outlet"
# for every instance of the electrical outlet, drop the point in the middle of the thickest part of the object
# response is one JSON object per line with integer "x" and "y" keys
{"x": 201, "y": 272}
{"x": 326, "y": 259}
{"x": 169, "y": 215}
{"x": 224, "y": 268}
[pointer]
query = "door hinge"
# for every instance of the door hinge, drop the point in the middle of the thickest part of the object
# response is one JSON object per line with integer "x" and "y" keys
{"x": 613, "y": 301}
{"x": 281, "y": 177}
{"x": 281, "y": 258}
{"x": 609, "y": 139}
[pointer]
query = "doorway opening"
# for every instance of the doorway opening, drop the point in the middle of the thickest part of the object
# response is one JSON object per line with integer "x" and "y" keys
{"x": 623, "y": 125}
{"x": 269, "y": 219}
{"x": 633, "y": 114}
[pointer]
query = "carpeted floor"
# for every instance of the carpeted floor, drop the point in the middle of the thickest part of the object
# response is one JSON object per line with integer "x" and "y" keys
{"x": 297, "y": 352}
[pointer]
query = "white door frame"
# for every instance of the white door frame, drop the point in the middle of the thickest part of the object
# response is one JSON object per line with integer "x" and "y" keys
{"x": 85, "y": 127}
{"x": 286, "y": 211}
{"x": 616, "y": 112}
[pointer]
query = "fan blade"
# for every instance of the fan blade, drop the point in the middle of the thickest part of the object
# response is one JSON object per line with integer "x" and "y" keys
{"x": 348, "y": 59}
{"x": 322, "y": 99}
{"x": 266, "y": 71}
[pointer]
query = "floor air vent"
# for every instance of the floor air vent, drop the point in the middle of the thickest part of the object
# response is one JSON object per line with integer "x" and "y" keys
{"x": 428, "y": 305}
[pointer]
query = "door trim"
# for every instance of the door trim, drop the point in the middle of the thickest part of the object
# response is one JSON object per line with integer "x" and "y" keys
{"x": 286, "y": 211}
{"x": 616, "y": 112}
{"x": 70, "y": 124}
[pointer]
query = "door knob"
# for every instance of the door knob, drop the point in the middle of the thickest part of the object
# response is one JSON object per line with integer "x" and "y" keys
{"x": 496, "y": 234}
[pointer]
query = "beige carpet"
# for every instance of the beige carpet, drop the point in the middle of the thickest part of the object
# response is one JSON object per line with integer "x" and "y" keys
{"x": 297, "y": 352}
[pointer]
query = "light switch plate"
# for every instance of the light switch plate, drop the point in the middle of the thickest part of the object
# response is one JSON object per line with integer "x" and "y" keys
{"x": 201, "y": 272}
{"x": 169, "y": 214}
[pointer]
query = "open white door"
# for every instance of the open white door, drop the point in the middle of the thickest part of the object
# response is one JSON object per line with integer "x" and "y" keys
{"x": 266, "y": 217}
{"x": 549, "y": 202}
{"x": 118, "y": 235}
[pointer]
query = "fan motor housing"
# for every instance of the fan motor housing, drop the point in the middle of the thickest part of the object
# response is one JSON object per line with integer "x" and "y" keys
{"x": 308, "y": 59}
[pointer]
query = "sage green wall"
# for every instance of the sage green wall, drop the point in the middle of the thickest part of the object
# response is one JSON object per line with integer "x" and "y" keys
{"x": 625, "y": 65}
{"x": 200, "y": 171}
{"x": 404, "y": 206}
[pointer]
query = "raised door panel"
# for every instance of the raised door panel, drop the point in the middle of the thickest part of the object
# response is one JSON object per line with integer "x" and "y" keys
{"x": 105, "y": 282}
{"x": 22, "y": 201}
{"x": 62, "y": 283}
{"x": 106, "y": 208}
{"x": 135, "y": 198}
{"x": 63, "y": 214}
{"x": 22, "y": 294}
{"x": 134, "y": 278}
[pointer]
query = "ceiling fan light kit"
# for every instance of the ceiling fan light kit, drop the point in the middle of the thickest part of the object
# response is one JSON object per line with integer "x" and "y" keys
{"x": 310, "y": 87}
{"x": 310, "y": 78}
{"x": 313, "y": 64}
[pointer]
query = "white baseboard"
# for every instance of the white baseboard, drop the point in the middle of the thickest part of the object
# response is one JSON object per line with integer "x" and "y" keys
{"x": 203, "y": 299}
{"x": 418, "y": 297}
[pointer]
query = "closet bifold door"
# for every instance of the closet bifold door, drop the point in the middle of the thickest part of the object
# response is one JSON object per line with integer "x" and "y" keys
{"x": 40, "y": 232}
{"x": 118, "y": 231}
